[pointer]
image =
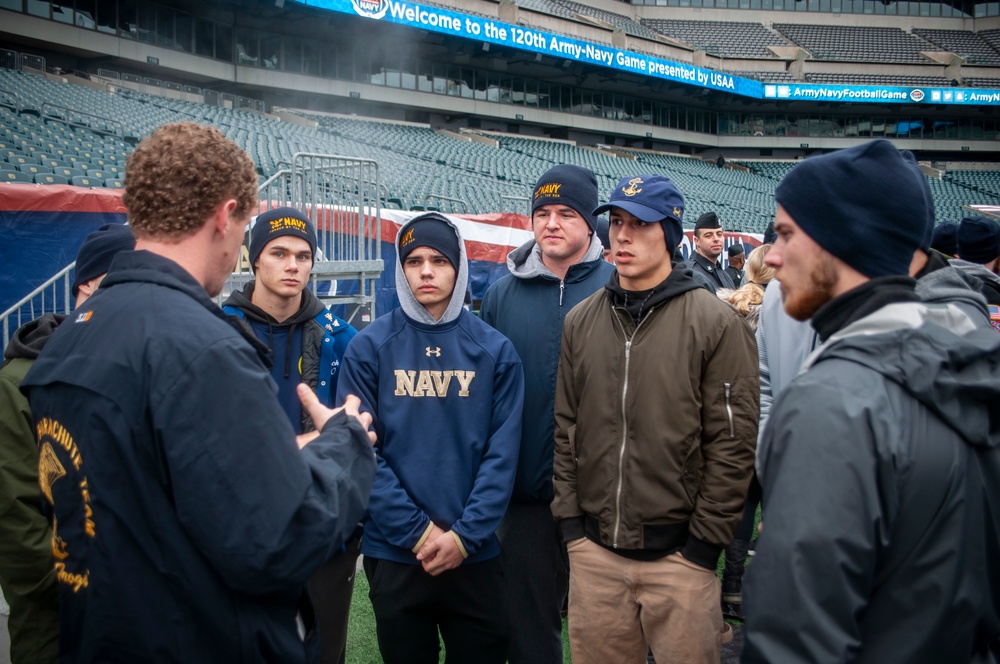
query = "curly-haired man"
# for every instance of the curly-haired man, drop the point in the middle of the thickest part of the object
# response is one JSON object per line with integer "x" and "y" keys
{"x": 186, "y": 518}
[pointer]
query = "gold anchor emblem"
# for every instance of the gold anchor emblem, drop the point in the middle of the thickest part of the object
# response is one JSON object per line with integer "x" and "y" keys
{"x": 632, "y": 189}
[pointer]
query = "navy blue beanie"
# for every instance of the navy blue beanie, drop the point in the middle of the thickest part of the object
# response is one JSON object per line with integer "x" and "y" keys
{"x": 430, "y": 230}
{"x": 945, "y": 238}
{"x": 569, "y": 185}
{"x": 769, "y": 235}
{"x": 653, "y": 199}
{"x": 276, "y": 223}
{"x": 863, "y": 205}
{"x": 96, "y": 252}
{"x": 978, "y": 239}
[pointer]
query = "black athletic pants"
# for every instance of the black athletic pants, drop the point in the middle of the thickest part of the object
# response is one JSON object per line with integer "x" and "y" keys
{"x": 467, "y": 604}
{"x": 331, "y": 589}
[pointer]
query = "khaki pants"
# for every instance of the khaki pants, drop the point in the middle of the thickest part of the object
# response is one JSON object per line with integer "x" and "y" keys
{"x": 618, "y": 607}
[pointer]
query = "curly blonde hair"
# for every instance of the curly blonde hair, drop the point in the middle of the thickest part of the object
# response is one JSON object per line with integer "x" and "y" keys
{"x": 179, "y": 175}
{"x": 747, "y": 298}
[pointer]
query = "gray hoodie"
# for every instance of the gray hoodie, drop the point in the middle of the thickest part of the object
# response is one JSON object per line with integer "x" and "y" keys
{"x": 408, "y": 303}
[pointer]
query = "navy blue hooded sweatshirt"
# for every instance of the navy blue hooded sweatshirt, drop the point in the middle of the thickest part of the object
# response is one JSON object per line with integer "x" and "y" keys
{"x": 446, "y": 396}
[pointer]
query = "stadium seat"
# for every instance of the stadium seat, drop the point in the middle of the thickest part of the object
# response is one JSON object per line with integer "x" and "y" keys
{"x": 113, "y": 183}
{"x": 97, "y": 174}
{"x": 33, "y": 169}
{"x": 50, "y": 178}
{"x": 15, "y": 176}
{"x": 84, "y": 181}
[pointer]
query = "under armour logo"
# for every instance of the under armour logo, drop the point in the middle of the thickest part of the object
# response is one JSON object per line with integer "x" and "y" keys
{"x": 436, "y": 352}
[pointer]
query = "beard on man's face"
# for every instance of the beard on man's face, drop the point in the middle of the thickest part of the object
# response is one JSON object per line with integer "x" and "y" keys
{"x": 804, "y": 299}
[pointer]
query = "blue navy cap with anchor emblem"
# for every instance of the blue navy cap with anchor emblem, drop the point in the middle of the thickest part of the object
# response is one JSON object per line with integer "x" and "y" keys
{"x": 652, "y": 199}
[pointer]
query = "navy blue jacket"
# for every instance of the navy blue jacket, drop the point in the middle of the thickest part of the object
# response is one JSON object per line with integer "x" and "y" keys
{"x": 323, "y": 338}
{"x": 187, "y": 521}
{"x": 528, "y": 307}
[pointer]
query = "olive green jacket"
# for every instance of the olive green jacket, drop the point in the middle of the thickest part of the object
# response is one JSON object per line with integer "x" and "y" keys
{"x": 27, "y": 575}
{"x": 656, "y": 424}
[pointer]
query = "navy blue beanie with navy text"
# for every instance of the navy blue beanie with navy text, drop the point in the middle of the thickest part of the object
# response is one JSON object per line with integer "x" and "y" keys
{"x": 572, "y": 186}
{"x": 277, "y": 223}
{"x": 430, "y": 230}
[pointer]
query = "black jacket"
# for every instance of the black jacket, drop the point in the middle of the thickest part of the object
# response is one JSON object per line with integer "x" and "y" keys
{"x": 713, "y": 271}
{"x": 188, "y": 521}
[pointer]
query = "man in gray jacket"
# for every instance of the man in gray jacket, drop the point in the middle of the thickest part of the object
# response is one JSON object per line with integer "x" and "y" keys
{"x": 881, "y": 462}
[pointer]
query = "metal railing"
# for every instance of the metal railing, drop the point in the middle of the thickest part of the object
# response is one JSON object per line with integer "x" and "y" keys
{"x": 455, "y": 202}
{"x": 74, "y": 118}
{"x": 340, "y": 195}
{"x": 54, "y": 296}
{"x": 515, "y": 202}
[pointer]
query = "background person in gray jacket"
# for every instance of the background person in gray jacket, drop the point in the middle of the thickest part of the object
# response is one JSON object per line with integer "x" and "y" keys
{"x": 881, "y": 462}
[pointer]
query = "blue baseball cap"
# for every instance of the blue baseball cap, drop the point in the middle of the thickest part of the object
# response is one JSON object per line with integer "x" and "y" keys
{"x": 650, "y": 198}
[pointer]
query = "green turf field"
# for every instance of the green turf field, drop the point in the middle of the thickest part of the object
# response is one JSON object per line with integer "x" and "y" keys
{"x": 362, "y": 645}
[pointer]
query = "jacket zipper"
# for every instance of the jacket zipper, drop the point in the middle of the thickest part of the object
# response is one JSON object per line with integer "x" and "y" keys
{"x": 562, "y": 287}
{"x": 729, "y": 410}
{"x": 621, "y": 450}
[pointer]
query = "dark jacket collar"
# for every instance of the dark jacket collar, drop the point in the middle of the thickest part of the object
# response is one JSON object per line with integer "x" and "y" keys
{"x": 859, "y": 302}
{"x": 146, "y": 267}
{"x": 310, "y": 307}
{"x": 640, "y": 303}
{"x": 705, "y": 263}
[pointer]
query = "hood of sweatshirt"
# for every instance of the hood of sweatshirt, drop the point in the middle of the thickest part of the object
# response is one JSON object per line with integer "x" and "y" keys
{"x": 938, "y": 354}
{"x": 525, "y": 262}
{"x": 29, "y": 339}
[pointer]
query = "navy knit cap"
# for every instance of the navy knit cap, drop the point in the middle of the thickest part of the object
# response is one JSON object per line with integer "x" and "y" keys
{"x": 945, "y": 237}
{"x": 276, "y": 223}
{"x": 96, "y": 252}
{"x": 978, "y": 239}
{"x": 430, "y": 230}
{"x": 569, "y": 185}
{"x": 653, "y": 199}
{"x": 736, "y": 249}
{"x": 862, "y": 204}
{"x": 769, "y": 235}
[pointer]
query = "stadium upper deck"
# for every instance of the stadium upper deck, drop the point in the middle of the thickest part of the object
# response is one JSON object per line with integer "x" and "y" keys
{"x": 768, "y": 84}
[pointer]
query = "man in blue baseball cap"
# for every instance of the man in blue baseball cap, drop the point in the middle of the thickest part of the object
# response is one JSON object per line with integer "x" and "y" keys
{"x": 652, "y": 461}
